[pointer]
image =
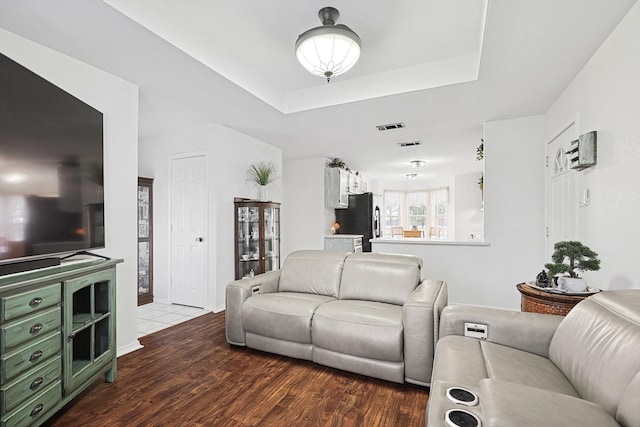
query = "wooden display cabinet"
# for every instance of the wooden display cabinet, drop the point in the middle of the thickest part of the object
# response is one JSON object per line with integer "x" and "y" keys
{"x": 257, "y": 237}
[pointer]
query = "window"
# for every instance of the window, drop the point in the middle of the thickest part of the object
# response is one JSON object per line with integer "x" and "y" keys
{"x": 424, "y": 210}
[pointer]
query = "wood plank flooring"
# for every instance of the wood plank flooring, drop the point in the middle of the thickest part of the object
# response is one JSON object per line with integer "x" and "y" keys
{"x": 188, "y": 375}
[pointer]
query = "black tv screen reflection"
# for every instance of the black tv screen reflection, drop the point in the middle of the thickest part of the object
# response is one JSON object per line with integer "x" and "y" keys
{"x": 51, "y": 168}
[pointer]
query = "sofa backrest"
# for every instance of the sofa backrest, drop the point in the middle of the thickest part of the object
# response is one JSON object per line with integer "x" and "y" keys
{"x": 312, "y": 272}
{"x": 380, "y": 277}
{"x": 597, "y": 347}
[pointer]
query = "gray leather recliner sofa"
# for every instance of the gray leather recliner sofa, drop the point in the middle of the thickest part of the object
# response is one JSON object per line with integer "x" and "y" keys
{"x": 541, "y": 370}
{"x": 367, "y": 313}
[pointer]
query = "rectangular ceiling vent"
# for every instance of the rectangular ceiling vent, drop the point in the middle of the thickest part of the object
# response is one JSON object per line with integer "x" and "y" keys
{"x": 390, "y": 126}
{"x": 409, "y": 144}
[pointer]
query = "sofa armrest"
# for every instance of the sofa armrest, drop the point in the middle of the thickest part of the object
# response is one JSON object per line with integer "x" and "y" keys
{"x": 237, "y": 293}
{"x": 510, "y": 404}
{"x": 531, "y": 332}
{"x": 420, "y": 317}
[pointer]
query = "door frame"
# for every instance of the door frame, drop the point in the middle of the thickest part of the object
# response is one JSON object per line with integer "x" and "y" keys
{"x": 575, "y": 122}
{"x": 205, "y": 232}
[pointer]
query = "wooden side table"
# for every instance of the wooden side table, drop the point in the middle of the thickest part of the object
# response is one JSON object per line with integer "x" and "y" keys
{"x": 538, "y": 301}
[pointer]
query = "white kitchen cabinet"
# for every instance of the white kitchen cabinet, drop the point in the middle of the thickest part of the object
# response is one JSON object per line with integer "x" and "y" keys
{"x": 336, "y": 188}
{"x": 343, "y": 242}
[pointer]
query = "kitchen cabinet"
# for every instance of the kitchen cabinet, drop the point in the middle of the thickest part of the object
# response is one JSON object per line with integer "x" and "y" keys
{"x": 336, "y": 188}
{"x": 257, "y": 237}
{"x": 343, "y": 242}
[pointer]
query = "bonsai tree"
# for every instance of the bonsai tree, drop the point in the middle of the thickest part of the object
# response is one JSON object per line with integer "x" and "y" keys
{"x": 570, "y": 256}
{"x": 261, "y": 173}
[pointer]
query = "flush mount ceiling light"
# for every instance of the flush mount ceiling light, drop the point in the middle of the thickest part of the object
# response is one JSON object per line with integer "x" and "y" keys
{"x": 417, "y": 163}
{"x": 329, "y": 50}
{"x": 411, "y": 175}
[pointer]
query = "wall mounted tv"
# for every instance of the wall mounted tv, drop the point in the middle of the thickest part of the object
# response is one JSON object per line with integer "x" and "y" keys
{"x": 51, "y": 169}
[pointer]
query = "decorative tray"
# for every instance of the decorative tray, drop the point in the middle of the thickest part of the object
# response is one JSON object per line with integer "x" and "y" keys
{"x": 589, "y": 290}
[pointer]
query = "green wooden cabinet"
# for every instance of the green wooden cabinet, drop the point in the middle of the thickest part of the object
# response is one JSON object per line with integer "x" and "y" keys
{"x": 57, "y": 336}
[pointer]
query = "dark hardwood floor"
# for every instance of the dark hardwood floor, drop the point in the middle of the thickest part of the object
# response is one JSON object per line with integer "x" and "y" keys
{"x": 188, "y": 375}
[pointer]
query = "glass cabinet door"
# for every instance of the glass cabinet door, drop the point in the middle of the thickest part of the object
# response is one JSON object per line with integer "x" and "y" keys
{"x": 271, "y": 239}
{"x": 145, "y": 241}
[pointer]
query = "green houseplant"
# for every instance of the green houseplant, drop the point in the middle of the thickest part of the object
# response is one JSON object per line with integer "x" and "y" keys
{"x": 262, "y": 174}
{"x": 569, "y": 256}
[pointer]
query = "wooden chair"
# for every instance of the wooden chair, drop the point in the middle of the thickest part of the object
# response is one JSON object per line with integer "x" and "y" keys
{"x": 434, "y": 232}
{"x": 396, "y": 231}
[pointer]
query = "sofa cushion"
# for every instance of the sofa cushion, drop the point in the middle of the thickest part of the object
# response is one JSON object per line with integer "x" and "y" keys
{"x": 366, "y": 329}
{"x": 517, "y": 366}
{"x": 312, "y": 272}
{"x": 386, "y": 278}
{"x": 283, "y": 315}
{"x": 466, "y": 361}
{"x": 597, "y": 346}
{"x": 508, "y": 404}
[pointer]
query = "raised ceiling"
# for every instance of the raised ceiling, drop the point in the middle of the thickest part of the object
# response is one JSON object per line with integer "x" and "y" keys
{"x": 407, "y": 45}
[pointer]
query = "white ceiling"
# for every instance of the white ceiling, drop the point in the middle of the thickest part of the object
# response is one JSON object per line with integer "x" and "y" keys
{"x": 235, "y": 65}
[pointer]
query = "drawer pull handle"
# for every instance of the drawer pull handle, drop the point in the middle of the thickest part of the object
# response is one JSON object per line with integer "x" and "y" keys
{"x": 36, "y": 383}
{"x": 35, "y": 356}
{"x": 37, "y": 409}
{"x": 36, "y": 328}
{"x": 34, "y": 302}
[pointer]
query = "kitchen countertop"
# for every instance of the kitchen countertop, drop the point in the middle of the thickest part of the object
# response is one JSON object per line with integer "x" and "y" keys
{"x": 418, "y": 241}
{"x": 344, "y": 236}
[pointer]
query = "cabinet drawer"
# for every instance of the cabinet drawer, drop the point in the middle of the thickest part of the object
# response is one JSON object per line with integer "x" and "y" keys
{"x": 35, "y": 409}
{"x": 17, "y": 362}
{"x": 12, "y": 395}
{"x": 14, "y": 333}
{"x": 28, "y": 302}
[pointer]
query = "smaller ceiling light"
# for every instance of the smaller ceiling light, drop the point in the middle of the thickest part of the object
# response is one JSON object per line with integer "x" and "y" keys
{"x": 417, "y": 163}
{"x": 329, "y": 50}
{"x": 411, "y": 175}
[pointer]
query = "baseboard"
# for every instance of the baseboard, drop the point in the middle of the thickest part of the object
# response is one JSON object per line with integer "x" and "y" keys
{"x": 219, "y": 308}
{"x": 129, "y": 348}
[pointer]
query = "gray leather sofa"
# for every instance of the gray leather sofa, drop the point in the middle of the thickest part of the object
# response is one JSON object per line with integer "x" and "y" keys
{"x": 366, "y": 313}
{"x": 541, "y": 370}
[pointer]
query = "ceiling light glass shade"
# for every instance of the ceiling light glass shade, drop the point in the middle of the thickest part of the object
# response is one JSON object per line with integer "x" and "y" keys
{"x": 417, "y": 163}
{"x": 329, "y": 50}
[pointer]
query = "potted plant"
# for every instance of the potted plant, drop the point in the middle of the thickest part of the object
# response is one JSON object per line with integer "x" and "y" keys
{"x": 570, "y": 257}
{"x": 261, "y": 173}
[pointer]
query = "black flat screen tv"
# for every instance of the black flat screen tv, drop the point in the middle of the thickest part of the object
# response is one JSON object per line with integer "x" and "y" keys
{"x": 51, "y": 169}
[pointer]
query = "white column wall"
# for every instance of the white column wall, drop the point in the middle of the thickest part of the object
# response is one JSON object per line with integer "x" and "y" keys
{"x": 118, "y": 101}
{"x": 606, "y": 96}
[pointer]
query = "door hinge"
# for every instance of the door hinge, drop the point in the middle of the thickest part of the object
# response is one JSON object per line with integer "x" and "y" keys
{"x": 546, "y": 161}
{"x": 546, "y": 231}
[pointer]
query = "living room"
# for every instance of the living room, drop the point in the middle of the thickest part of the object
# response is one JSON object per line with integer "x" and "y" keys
{"x": 603, "y": 96}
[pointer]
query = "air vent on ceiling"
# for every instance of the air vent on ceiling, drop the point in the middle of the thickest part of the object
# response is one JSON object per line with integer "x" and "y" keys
{"x": 409, "y": 144}
{"x": 390, "y": 126}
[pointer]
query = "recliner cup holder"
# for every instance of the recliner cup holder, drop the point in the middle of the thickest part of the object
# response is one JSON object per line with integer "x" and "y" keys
{"x": 462, "y": 396}
{"x": 461, "y": 418}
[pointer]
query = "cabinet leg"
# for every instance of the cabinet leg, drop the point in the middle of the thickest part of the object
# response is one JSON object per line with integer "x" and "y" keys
{"x": 110, "y": 375}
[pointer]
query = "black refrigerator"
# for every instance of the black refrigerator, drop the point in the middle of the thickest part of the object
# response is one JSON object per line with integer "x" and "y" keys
{"x": 361, "y": 217}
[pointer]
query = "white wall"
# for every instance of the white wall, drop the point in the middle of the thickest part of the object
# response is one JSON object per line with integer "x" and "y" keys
{"x": 229, "y": 154}
{"x": 118, "y": 101}
{"x": 514, "y": 222}
{"x": 469, "y": 217}
{"x": 305, "y": 219}
{"x": 606, "y": 95}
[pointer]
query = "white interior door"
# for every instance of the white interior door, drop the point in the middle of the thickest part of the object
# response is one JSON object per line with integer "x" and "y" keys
{"x": 188, "y": 226}
{"x": 562, "y": 198}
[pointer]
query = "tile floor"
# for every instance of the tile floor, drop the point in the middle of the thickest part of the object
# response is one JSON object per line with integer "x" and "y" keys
{"x": 156, "y": 316}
